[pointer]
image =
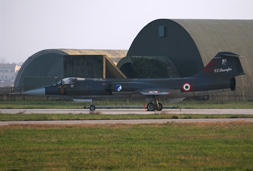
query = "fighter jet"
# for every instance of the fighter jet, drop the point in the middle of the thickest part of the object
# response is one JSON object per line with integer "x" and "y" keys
{"x": 218, "y": 76}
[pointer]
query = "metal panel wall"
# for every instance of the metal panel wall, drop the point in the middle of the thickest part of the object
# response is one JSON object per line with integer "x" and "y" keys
{"x": 84, "y": 66}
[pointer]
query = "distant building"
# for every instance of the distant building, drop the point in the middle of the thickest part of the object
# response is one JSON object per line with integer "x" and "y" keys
{"x": 8, "y": 74}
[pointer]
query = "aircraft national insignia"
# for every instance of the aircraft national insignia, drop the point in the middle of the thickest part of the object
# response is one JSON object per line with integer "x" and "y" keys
{"x": 118, "y": 87}
{"x": 186, "y": 87}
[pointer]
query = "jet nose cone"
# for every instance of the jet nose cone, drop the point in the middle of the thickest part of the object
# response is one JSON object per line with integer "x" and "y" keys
{"x": 37, "y": 92}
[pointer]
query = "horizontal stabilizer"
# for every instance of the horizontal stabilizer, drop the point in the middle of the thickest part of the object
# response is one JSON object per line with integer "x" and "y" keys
{"x": 228, "y": 55}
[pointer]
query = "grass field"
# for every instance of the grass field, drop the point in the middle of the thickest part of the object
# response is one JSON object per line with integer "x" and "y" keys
{"x": 75, "y": 105}
{"x": 48, "y": 117}
{"x": 198, "y": 146}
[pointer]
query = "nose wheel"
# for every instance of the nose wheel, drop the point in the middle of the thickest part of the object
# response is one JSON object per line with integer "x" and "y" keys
{"x": 92, "y": 108}
{"x": 155, "y": 105}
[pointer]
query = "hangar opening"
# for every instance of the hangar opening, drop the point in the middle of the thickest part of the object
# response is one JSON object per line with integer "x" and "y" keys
{"x": 90, "y": 66}
{"x": 148, "y": 67}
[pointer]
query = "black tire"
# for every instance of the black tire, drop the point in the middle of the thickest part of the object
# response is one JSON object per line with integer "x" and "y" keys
{"x": 150, "y": 107}
{"x": 92, "y": 108}
{"x": 159, "y": 107}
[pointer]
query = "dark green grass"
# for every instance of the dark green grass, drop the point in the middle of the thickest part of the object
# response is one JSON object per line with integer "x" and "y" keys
{"x": 203, "y": 146}
{"x": 45, "y": 117}
{"x": 53, "y": 104}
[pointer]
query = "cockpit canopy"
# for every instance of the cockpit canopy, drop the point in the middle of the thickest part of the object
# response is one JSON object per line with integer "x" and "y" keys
{"x": 68, "y": 81}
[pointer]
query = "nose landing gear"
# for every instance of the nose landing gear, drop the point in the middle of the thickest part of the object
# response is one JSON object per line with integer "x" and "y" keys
{"x": 92, "y": 108}
{"x": 155, "y": 105}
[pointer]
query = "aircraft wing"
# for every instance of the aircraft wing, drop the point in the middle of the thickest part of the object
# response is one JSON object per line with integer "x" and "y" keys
{"x": 157, "y": 91}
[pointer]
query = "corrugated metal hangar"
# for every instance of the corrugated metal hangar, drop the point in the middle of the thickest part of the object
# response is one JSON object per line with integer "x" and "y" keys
{"x": 163, "y": 48}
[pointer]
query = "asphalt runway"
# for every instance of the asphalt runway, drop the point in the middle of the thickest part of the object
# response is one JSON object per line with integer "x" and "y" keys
{"x": 126, "y": 111}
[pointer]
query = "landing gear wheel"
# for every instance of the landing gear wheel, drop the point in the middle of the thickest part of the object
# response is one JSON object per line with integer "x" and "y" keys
{"x": 92, "y": 107}
{"x": 154, "y": 104}
{"x": 151, "y": 107}
{"x": 159, "y": 107}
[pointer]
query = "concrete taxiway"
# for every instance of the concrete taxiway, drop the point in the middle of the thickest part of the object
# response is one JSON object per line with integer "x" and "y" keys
{"x": 126, "y": 111}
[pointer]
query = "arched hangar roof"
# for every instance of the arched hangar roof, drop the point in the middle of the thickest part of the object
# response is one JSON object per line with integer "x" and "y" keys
{"x": 48, "y": 64}
{"x": 191, "y": 44}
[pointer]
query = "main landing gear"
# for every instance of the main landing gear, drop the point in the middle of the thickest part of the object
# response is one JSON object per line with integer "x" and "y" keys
{"x": 154, "y": 104}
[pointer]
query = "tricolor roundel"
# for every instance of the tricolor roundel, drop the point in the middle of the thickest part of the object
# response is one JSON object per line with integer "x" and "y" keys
{"x": 186, "y": 87}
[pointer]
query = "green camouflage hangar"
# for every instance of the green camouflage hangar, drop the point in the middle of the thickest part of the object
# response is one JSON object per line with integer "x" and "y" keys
{"x": 164, "y": 48}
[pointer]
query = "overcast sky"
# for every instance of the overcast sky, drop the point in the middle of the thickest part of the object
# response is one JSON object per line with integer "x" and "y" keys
{"x": 28, "y": 26}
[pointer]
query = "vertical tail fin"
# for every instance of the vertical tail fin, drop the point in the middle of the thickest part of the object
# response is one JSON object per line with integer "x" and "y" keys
{"x": 224, "y": 64}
